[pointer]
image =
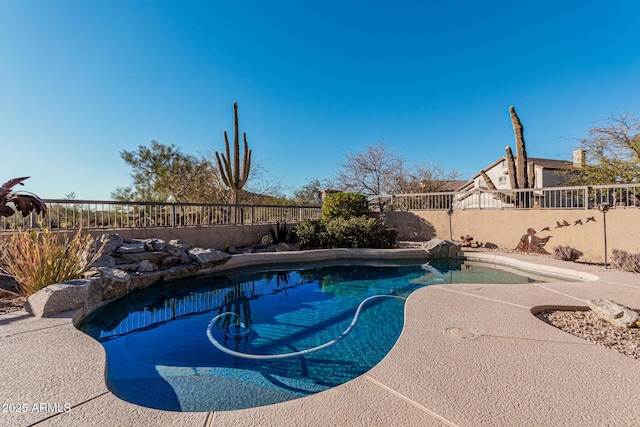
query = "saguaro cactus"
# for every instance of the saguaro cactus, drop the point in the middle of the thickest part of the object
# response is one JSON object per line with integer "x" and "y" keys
{"x": 511, "y": 164}
{"x": 521, "y": 174}
{"x": 234, "y": 178}
{"x": 521, "y": 150}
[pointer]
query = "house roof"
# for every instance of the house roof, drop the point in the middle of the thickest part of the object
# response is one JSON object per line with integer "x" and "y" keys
{"x": 551, "y": 163}
{"x": 451, "y": 185}
{"x": 544, "y": 163}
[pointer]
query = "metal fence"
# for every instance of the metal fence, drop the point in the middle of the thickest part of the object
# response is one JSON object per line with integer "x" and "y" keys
{"x": 587, "y": 197}
{"x": 91, "y": 214}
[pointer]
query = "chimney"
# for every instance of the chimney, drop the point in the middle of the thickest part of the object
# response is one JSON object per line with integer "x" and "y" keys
{"x": 579, "y": 157}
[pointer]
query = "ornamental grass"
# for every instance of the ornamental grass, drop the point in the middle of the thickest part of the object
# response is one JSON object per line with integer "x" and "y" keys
{"x": 39, "y": 258}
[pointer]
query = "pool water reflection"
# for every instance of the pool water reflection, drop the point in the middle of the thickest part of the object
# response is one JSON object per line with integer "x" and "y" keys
{"x": 159, "y": 354}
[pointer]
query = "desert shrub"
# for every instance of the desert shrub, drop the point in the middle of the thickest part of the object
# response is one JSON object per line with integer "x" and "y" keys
{"x": 37, "y": 259}
{"x": 358, "y": 232}
{"x": 344, "y": 205}
{"x": 566, "y": 253}
{"x": 312, "y": 234}
{"x": 625, "y": 261}
{"x": 280, "y": 233}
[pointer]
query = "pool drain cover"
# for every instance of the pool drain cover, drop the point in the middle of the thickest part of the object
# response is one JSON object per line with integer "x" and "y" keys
{"x": 462, "y": 333}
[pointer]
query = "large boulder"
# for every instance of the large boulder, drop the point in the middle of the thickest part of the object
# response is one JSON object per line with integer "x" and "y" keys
{"x": 614, "y": 313}
{"x": 155, "y": 244}
{"x": 179, "y": 272}
{"x": 54, "y": 299}
{"x": 104, "y": 260}
{"x": 114, "y": 283}
{"x": 177, "y": 247}
{"x": 142, "y": 280}
{"x": 110, "y": 243}
{"x": 131, "y": 248}
{"x": 146, "y": 265}
{"x": 154, "y": 257}
{"x": 208, "y": 257}
{"x": 440, "y": 248}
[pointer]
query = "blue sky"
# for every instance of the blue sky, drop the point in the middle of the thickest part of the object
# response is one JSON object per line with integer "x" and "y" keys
{"x": 82, "y": 80}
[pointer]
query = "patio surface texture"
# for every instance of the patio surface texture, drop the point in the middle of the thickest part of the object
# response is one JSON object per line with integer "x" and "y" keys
{"x": 469, "y": 355}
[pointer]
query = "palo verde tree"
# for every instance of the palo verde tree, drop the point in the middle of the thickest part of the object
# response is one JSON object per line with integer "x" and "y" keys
{"x": 163, "y": 173}
{"x": 232, "y": 175}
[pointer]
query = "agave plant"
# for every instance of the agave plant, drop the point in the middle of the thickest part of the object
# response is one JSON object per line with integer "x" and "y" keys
{"x": 24, "y": 202}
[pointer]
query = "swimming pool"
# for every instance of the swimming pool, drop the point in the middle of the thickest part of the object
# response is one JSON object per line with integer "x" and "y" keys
{"x": 188, "y": 345}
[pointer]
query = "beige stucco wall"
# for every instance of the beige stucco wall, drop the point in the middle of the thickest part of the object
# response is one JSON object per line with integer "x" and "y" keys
{"x": 500, "y": 227}
{"x": 204, "y": 237}
{"x": 505, "y": 227}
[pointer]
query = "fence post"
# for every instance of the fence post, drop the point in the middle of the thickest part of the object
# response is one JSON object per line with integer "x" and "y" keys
{"x": 586, "y": 198}
{"x": 251, "y": 215}
{"x": 173, "y": 215}
{"x": 33, "y": 220}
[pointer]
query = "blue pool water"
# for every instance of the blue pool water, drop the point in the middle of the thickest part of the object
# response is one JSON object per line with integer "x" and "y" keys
{"x": 160, "y": 341}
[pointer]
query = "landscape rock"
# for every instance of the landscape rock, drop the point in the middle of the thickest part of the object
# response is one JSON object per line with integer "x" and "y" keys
{"x": 176, "y": 247}
{"x": 111, "y": 242}
{"x": 144, "y": 280}
{"x": 154, "y": 257}
{"x": 131, "y": 248}
{"x": 131, "y": 266}
{"x": 146, "y": 265}
{"x": 104, "y": 260}
{"x": 614, "y": 313}
{"x": 169, "y": 261}
{"x": 179, "y": 272}
{"x": 208, "y": 257}
{"x": 440, "y": 248}
{"x": 125, "y": 265}
{"x": 114, "y": 283}
{"x": 57, "y": 298}
{"x": 155, "y": 244}
{"x": 185, "y": 258}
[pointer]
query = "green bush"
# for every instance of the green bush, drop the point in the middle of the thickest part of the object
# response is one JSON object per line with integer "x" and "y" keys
{"x": 312, "y": 234}
{"x": 358, "y": 232}
{"x": 344, "y": 205}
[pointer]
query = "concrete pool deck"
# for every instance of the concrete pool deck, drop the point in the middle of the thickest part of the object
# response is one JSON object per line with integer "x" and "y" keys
{"x": 469, "y": 355}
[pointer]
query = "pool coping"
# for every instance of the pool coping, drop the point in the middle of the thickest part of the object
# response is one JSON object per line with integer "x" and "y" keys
{"x": 468, "y": 355}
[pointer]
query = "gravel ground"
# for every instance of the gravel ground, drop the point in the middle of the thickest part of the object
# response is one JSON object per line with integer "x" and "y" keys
{"x": 587, "y": 325}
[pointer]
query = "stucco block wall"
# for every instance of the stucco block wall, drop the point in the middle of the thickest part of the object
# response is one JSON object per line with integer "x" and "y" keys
{"x": 204, "y": 237}
{"x": 505, "y": 227}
